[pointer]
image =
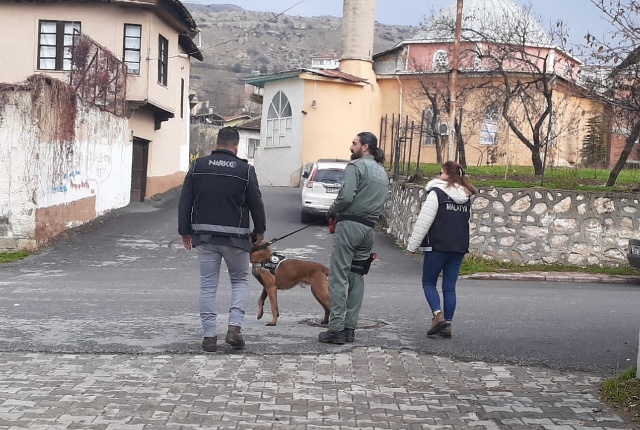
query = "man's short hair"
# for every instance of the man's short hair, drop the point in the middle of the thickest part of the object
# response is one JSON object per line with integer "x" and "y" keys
{"x": 228, "y": 136}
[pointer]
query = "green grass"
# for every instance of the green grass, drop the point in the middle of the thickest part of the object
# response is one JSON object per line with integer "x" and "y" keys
{"x": 583, "y": 179}
{"x": 8, "y": 257}
{"x": 475, "y": 264}
{"x": 623, "y": 391}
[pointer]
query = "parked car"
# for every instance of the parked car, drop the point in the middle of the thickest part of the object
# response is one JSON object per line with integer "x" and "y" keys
{"x": 320, "y": 188}
{"x": 633, "y": 253}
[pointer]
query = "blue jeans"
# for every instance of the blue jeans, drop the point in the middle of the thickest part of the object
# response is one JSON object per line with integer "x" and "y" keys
{"x": 237, "y": 261}
{"x": 447, "y": 263}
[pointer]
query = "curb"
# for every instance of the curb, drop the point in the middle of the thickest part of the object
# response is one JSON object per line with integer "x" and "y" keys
{"x": 557, "y": 277}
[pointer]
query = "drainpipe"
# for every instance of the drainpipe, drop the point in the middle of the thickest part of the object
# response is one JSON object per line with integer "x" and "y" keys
{"x": 400, "y": 85}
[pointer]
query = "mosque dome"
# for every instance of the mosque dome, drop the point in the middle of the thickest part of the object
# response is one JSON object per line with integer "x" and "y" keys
{"x": 499, "y": 21}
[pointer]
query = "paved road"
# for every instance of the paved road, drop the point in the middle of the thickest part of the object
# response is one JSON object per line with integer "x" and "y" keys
{"x": 100, "y": 331}
{"x": 125, "y": 285}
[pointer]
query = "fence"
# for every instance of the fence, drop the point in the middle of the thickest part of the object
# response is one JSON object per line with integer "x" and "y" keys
{"x": 98, "y": 76}
{"x": 406, "y": 142}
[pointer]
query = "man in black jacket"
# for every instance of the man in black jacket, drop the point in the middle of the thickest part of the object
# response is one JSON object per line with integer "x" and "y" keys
{"x": 219, "y": 193}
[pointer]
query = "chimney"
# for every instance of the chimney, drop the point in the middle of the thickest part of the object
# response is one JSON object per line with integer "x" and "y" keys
{"x": 358, "y": 20}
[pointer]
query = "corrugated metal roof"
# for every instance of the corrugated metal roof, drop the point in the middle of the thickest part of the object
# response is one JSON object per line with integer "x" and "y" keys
{"x": 335, "y": 73}
{"x": 252, "y": 124}
{"x": 259, "y": 81}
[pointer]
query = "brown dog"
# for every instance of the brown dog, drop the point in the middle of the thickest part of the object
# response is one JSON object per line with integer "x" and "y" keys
{"x": 285, "y": 275}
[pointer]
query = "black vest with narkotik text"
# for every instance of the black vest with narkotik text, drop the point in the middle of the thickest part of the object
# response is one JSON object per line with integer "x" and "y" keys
{"x": 450, "y": 229}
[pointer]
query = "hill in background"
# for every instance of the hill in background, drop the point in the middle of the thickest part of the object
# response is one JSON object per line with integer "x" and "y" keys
{"x": 237, "y": 42}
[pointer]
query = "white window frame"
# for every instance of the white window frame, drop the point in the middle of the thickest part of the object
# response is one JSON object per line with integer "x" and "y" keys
{"x": 440, "y": 60}
{"x": 132, "y": 48}
{"x": 252, "y": 147}
{"x": 279, "y": 122}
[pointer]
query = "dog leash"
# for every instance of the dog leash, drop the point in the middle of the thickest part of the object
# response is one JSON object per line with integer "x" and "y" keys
{"x": 272, "y": 241}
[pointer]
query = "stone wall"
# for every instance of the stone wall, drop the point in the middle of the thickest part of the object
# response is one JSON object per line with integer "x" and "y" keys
{"x": 535, "y": 226}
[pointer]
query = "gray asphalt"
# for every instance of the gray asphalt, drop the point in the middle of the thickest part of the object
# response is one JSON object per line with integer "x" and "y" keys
{"x": 124, "y": 284}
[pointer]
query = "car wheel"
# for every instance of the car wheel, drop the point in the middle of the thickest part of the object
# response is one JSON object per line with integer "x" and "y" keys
{"x": 305, "y": 218}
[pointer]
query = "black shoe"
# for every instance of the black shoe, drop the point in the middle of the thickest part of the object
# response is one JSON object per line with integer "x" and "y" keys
{"x": 209, "y": 344}
{"x": 349, "y": 334}
{"x": 336, "y": 337}
{"x": 234, "y": 337}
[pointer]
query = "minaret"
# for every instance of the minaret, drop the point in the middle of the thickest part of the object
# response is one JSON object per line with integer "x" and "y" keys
{"x": 358, "y": 20}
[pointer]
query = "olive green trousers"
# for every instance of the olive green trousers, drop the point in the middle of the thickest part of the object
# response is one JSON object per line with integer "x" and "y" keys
{"x": 352, "y": 241}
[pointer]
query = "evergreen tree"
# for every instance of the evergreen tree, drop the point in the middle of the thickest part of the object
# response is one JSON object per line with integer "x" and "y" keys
{"x": 594, "y": 148}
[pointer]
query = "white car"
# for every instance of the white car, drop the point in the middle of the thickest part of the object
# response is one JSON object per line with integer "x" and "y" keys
{"x": 320, "y": 188}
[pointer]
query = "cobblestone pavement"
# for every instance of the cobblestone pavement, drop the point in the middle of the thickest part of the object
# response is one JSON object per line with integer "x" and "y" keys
{"x": 365, "y": 388}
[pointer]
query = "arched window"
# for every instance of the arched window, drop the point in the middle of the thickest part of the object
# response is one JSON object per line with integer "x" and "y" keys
{"x": 440, "y": 60}
{"x": 279, "y": 121}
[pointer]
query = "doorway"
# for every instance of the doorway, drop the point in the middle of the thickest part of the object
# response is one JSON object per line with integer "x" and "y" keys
{"x": 139, "y": 169}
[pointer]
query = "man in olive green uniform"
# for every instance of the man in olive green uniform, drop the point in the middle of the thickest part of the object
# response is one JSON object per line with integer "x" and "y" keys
{"x": 355, "y": 211}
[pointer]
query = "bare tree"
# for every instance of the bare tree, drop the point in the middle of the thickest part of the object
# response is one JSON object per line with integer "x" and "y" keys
{"x": 619, "y": 53}
{"x": 517, "y": 63}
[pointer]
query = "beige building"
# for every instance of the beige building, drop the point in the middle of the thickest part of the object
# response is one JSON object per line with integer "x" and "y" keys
{"x": 152, "y": 37}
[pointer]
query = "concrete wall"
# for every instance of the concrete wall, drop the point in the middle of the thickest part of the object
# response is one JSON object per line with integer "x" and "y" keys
{"x": 104, "y": 22}
{"x": 535, "y": 226}
{"x": 47, "y": 186}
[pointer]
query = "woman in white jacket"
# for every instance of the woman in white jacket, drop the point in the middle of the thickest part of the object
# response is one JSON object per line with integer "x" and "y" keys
{"x": 442, "y": 233}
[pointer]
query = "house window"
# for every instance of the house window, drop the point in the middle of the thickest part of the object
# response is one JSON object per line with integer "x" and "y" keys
{"x": 428, "y": 134}
{"x": 489, "y": 128}
{"x": 55, "y": 44}
{"x": 477, "y": 60}
{"x": 279, "y": 121}
{"x": 163, "y": 60}
{"x": 132, "y": 47}
{"x": 440, "y": 60}
{"x": 252, "y": 146}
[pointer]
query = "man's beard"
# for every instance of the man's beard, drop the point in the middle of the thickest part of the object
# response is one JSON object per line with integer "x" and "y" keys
{"x": 356, "y": 155}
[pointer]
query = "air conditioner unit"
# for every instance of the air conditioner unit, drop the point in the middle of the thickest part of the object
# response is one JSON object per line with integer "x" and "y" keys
{"x": 443, "y": 129}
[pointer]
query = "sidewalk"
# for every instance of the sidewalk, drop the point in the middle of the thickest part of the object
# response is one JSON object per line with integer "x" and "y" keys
{"x": 363, "y": 388}
{"x": 557, "y": 277}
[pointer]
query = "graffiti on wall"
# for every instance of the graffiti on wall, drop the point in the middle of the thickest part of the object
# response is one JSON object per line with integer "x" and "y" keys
{"x": 73, "y": 181}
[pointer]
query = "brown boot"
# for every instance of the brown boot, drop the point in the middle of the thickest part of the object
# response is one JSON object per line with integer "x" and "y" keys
{"x": 437, "y": 324}
{"x": 446, "y": 332}
{"x": 209, "y": 344}
{"x": 234, "y": 337}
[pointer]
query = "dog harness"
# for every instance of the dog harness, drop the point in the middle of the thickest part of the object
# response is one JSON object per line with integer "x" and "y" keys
{"x": 272, "y": 263}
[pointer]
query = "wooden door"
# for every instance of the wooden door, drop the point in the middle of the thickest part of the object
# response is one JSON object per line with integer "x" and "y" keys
{"x": 139, "y": 169}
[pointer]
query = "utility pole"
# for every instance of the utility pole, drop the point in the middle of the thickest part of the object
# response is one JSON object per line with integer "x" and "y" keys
{"x": 454, "y": 81}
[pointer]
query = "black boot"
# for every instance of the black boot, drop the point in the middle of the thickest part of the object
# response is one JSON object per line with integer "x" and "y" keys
{"x": 335, "y": 337}
{"x": 349, "y": 334}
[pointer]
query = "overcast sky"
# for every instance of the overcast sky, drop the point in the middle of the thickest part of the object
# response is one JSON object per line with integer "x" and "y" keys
{"x": 580, "y": 16}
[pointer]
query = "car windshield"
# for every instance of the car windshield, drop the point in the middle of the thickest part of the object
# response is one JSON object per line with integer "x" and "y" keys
{"x": 329, "y": 176}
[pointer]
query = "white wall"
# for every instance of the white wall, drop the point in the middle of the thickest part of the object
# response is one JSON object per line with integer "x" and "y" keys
{"x": 243, "y": 145}
{"x": 281, "y": 166}
{"x": 36, "y": 174}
